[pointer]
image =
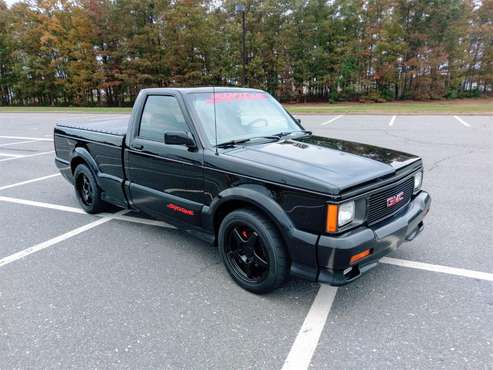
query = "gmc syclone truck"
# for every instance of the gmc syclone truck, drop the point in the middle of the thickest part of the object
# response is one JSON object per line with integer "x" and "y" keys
{"x": 233, "y": 167}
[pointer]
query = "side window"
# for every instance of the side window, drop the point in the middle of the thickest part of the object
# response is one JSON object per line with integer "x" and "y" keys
{"x": 161, "y": 114}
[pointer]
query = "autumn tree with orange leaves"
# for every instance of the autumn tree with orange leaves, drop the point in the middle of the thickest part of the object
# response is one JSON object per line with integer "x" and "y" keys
{"x": 102, "y": 52}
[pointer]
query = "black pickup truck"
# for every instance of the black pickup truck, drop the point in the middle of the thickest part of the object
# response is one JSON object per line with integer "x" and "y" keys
{"x": 233, "y": 167}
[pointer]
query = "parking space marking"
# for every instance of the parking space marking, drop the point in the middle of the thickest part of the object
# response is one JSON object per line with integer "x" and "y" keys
{"x": 462, "y": 121}
{"x": 27, "y": 156}
{"x": 39, "y": 247}
{"x": 28, "y": 181}
{"x": 306, "y": 341}
{"x": 10, "y": 155}
{"x": 144, "y": 221}
{"x": 438, "y": 268}
{"x": 41, "y": 205}
{"x": 392, "y": 120}
{"x": 332, "y": 120}
{"x": 25, "y": 138}
{"x": 19, "y": 142}
{"x": 387, "y": 260}
{"x": 58, "y": 207}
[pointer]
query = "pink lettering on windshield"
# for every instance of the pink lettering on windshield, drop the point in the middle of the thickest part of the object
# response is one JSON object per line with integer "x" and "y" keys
{"x": 231, "y": 97}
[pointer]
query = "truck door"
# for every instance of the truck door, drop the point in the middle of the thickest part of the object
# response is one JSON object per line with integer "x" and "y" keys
{"x": 165, "y": 181}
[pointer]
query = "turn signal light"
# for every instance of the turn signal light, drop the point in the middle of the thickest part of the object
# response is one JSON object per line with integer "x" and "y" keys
{"x": 332, "y": 214}
{"x": 359, "y": 256}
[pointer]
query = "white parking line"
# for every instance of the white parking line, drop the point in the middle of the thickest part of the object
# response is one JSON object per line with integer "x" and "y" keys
{"x": 387, "y": 260}
{"x": 38, "y": 247}
{"x": 27, "y": 156}
{"x": 332, "y": 120}
{"x": 25, "y": 138}
{"x": 58, "y": 207}
{"x": 28, "y": 181}
{"x": 438, "y": 268}
{"x": 306, "y": 341}
{"x": 144, "y": 221}
{"x": 462, "y": 121}
{"x": 27, "y": 202}
{"x": 304, "y": 346}
{"x": 10, "y": 155}
{"x": 392, "y": 120}
{"x": 19, "y": 142}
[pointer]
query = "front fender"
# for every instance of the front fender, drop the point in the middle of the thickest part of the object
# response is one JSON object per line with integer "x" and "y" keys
{"x": 301, "y": 245}
{"x": 256, "y": 195}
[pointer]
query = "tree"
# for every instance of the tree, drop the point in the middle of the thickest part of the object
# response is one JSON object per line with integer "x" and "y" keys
{"x": 85, "y": 52}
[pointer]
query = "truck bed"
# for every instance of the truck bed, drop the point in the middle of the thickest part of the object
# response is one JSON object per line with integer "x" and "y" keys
{"x": 114, "y": 126}
{"x": 98, "y": 143}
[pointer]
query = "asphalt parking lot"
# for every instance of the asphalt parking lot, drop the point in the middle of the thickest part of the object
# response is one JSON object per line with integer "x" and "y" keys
{"x": 122, "y": 291}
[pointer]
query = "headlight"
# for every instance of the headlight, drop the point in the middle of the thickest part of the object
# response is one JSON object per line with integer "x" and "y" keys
{"x": 418, "y": 180}
{"x": 346, "y": 213}
{"x": 339, "y": 215}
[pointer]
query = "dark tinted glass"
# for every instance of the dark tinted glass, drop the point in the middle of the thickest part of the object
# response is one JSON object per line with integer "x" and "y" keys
{"x": 161, "y": 114}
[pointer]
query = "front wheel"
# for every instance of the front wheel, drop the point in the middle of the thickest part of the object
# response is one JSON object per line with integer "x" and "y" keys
{"x": 253, "y": 251}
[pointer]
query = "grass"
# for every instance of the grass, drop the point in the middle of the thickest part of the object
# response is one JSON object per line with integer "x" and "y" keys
{"x": 469, "y": 106}
{"x": 65, "y": 109}
{"x": 466, "y": 106}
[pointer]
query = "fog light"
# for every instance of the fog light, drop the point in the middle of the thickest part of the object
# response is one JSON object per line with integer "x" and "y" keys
{"x": 347, "y": 271}
{"x": 359, "y": 256}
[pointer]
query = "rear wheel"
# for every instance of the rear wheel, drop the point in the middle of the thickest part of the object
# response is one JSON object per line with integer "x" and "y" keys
{"x": 87, "y": 190}
{"x": 253, "y": 251}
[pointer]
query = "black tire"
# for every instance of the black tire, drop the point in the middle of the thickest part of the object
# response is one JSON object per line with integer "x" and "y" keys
{"x": 87, "y": 190}
{"x": 253, "y": 251}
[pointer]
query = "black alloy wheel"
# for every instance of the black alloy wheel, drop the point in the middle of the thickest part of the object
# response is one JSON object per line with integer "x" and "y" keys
{"x": 246, "y": 253}
{"x": 87, "y": 190}
{"x": 253, "y": 251}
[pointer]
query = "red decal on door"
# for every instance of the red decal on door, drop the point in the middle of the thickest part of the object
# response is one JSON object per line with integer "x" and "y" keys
{"x": 179, "y": 209}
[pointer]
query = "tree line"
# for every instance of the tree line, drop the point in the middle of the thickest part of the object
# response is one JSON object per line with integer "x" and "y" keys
{"x": 102, "y": 52}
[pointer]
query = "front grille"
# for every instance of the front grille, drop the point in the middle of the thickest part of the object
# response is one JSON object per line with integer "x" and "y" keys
{"x": 377, "y": 203}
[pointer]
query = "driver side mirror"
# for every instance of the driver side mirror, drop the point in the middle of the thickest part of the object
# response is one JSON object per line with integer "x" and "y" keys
{"x": 179, "y": 138}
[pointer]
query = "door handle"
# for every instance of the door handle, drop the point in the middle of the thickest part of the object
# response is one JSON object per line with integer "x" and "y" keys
{"x": 138, "y": 146}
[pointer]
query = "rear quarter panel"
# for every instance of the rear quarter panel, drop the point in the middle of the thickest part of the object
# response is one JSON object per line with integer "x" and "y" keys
{"x": 101, "y": 151}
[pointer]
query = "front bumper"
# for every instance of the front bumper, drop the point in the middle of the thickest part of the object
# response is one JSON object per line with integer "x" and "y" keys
{"x": 334, "y": 253}
{"x": 326, "y": 258}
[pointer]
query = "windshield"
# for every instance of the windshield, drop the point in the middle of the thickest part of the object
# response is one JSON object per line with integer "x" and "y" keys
{"x": 240, "y": 115}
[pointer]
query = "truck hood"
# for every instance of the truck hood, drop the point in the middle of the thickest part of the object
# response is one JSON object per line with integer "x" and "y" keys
{"x": 323, "y": 164}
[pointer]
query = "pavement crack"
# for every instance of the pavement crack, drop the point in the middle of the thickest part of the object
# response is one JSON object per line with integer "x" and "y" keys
{"x": 423, "y": 142}
{"x": 438, "y": 162}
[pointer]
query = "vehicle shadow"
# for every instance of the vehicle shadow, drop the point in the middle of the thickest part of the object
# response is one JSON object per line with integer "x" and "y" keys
{"x": 209, "y": 266}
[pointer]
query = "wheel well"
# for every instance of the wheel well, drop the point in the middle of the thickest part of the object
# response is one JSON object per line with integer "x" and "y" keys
{"x": 75, "y": 162}
{"x": 232, "y": 205}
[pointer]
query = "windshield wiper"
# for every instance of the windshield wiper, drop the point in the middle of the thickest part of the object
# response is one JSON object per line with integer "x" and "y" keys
{"x": 229, "y": 143}
{"x": 287, "y": 133}
{"x": 275, "y": 137}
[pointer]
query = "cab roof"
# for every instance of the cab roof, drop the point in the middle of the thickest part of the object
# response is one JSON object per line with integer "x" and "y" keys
{"x": 205, "y": 89}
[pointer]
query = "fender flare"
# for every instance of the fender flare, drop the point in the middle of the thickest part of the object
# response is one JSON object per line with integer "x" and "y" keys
{"x": 256, "y": 195}
{"x": 83, "y": 153}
